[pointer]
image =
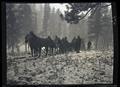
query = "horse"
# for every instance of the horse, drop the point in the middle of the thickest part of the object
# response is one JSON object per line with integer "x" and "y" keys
{"x": 64, "y": 44}
{"x": 69, "y": 46}
{"x": 51, "y": 44}
{"x": 73, "y": 43}
{"x": 34, "y": 43}
{"x": 41, "y": 42}
{"x": 76, "y": 44}
{"x": 59, "y": 45}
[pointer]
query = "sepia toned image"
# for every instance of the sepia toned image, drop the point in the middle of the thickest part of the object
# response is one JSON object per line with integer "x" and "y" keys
{"x": 59, "y": 43}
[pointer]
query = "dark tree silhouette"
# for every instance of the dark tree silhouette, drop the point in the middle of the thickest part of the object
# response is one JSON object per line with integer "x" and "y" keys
{"x": 46, "y": 18}
{"x": 72, "y": 15}
{"x": 19, "y": 22}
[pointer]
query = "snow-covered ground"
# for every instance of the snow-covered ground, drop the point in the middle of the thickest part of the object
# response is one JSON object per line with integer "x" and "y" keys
{"x": 86, "y": 67}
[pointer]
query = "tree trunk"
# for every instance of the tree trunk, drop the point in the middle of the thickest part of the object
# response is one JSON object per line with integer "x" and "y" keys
{"x": 116, "y": 63}
{"x": 96, "y": 45}
{"x": 12, "y": 50}
{"x": 18, "y": 49}
{"x": 103, "y": 43}
{"x": 26, "y": 48}
{"x": 106, "y": 44}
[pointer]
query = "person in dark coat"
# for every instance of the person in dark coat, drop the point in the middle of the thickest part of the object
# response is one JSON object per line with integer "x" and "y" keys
{"x": 59, "y": 45}
{"x": 73, "y": 43}
{"x": 64, "y": 44}
{"x": 78, "y": 44}
{"x": 89, "y": 45}
{"x": 83, "y": 45}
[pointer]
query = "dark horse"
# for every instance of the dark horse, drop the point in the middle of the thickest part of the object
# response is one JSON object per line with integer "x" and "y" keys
{"x": 59, "y": 45}
{"x": 76, "y": 44}
{"x": 63, "y": 45}
{"x": 51, "y": 44}
{"x": 36, "y": 43}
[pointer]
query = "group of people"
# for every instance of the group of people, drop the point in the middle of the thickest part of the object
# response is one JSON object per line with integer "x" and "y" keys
{"x": 58, "y": 45}
{"x": 65, "y": 46}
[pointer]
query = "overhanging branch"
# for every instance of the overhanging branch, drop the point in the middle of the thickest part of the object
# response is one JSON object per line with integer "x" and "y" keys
{"x": 94, "y": 10}
{"x": 86, "y": 14}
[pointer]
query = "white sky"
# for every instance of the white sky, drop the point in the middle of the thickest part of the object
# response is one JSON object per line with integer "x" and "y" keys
{"x": 60, "y": 6}
{"x": 56, "y": 6}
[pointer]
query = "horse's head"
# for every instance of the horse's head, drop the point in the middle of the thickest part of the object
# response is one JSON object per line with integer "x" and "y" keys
{"x": 49, "y": 38}
{"x": 32, "y": 35}
{"x": 56, "y": 36}
{"x": 74, "y": 38}
{"x": 65, "y": 38}
{"x": 31, "y": 32}
{"x": 78, "y": 37}
{"x": 26, "y": 38}
{"x": 57, "y": 39}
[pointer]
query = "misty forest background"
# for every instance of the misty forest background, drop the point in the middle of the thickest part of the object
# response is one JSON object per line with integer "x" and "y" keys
{"x": 46, "y": 20}
{"x": 94, "y": 66}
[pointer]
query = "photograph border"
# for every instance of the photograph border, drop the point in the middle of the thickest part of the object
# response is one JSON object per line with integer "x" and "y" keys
{"x": 4, "y": 56}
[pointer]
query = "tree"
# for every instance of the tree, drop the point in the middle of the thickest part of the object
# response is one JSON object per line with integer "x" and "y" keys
{"x": 100, "y": 28}
{"x": 19, "y": 22}
{"x": 107, "y": 29}
{"x": 26, "y": 19}
{"x": 52, "y": 23}
{"x": 40, "y": 13}
{"x": 72, "y": 15}
{"x": 46, "y": 19}
{"x": 12, "y": 28}
{"x": 59, "y": 24}
{"x": 95, "y": 26}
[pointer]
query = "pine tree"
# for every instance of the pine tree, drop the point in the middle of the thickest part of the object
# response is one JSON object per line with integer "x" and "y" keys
{"x": 46, "y": 19}
{"x": 72, "y": 14}
{"x": 19, "y": 22}
{"x": 95, "y": 26}
{"x": 52, "y": 23}
{"x": 13, "y": 32}
{"x": 58, "y": 24}
{"x": 40, "y": 14}
{"x": 100, "y": 28}
{"x": 25, "y": 19}
{"x": 107, "y": 30}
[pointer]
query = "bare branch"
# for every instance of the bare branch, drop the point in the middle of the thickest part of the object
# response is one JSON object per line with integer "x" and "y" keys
{"x": 105, "y": 6}
{"x": 95, "y": 9}
{"x": 86, "y": 14}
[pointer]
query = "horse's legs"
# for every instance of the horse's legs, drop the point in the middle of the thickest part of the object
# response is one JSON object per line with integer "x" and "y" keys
{"x": 26, "y": 47}
{"x": 35, "y": 52}
{"x": 52, "y": 50}
{"x": 32, "y": 52}
{"x": 57, "y": 51}
{"x": 61, "y": 50}
{"x": 39, "y": 52}
{"x": 46, "y": 50}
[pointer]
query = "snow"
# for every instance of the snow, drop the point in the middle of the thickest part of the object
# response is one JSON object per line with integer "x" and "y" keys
{"x": 22, "y": 48}
{"x": 86, "y": 67}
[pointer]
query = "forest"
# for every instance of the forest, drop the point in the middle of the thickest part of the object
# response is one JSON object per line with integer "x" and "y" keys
{"x": 92, "y": 22}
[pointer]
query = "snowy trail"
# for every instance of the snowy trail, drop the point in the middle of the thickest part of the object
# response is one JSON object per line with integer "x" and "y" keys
{"x": 86, "y": 67}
